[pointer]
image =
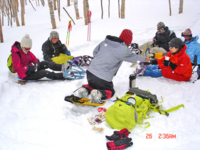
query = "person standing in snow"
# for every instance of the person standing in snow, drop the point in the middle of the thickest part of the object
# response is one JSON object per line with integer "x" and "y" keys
{"x": 175, "y": 65}
{"x": 56, "y": 52}
{"x": 108, "y": 57}
{"x": 27, "y": 66}
{"x": 160, "y": 42}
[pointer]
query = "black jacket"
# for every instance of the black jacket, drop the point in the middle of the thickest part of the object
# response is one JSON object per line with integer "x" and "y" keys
{"x": 162, "y": 40}
{"x": 51, "y": 50}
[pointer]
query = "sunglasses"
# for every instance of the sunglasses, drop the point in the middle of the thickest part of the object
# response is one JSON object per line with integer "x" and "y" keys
{"x": 161, "y": 30}
{"x": 171, "y": 47}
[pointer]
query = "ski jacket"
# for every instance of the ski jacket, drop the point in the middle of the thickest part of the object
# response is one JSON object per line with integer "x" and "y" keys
{"x": 183, "y": 71}
{"x": 51, "y": 50}
{"x": 21, "y": 63}
{"x": 108, "y": 57}
{"x": 162, "y": 39}
{"x": 193, "y": 49}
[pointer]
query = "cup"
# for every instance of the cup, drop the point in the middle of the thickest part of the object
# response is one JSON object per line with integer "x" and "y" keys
{"x": 167, "y": 58}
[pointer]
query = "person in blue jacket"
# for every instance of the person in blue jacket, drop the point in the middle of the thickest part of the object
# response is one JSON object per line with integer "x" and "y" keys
{"x": 193, "y": 48}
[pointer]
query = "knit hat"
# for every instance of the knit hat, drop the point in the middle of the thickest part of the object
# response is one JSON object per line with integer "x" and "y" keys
{"x": 187, "y": 34}
{"x": 53, "y": 34}
{"x": 177, "y": 43}
{"x": 160, "y": 25}
{"x": 126, "y": 36}
{"x": 26, "y": 41}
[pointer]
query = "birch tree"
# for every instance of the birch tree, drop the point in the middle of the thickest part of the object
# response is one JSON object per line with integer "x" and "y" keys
{"x": 52, "y": 16}
{"x": 181, "y": 7}
{"x": 22, "y": 13}
{"x": 108, "y": 8}
{"x": 123, "y": 9}
{"x": 68, "y": 2}
{"x": 14, "y": 7}
{"x": 54, "y": 4}
{"x": 101, "y": 9}
{"x": 58, "y": 5}
{"x": 76, "y": 9}
{"x": 85, "y": 9}
{"x": 170, "y": 10}
{"x": 119, "y": 7}
{"x": 1, "y": 31}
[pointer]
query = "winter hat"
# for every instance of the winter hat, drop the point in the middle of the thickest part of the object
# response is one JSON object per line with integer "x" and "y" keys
{"x": 53, "y": 34}
{"x": 177, "y": 43}
{"x": 160, "y": 25}
{"x": 187, "y": 34}
{"x": 26, "y": 41}
{"x": 126, "y": 36}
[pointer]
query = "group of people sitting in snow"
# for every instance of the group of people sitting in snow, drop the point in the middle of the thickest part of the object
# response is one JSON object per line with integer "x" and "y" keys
{"x": 170, "y": 57}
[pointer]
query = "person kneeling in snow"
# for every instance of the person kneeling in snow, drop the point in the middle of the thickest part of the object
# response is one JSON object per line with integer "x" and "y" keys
{"x": 175, "y": 65}
{"x": 27, "y": 66}
{"x": 108, "y": 57}
{"x": 56, "y": 52}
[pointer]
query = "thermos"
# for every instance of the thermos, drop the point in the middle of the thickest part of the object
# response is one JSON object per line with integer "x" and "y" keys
{"x": 132, "y": 80}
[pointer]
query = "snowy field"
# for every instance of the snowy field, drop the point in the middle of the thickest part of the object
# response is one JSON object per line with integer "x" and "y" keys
{"x": 36, "y": 117}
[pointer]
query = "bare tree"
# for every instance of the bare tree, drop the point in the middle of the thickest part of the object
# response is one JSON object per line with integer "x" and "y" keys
{"x": 53, "y": 21}
{"x": 101, "y": 9}
{"x": 58, "y": 5}
{"x": 1, "y": 31}
{"x": 54, "y": 4}
{"x": 22, "y": 13}
{"x": 119, "y": 7}
{"x": 76, "y": 9}
{"x": 43, "y": 3}
{"x": 170, "y": 10}
{"x": 181, "y": 7}
{"x": 108, "y": 8}
{"x": 32, "y": 5}
{"x": 123, "y": 9}
{"x": 85, "y": 9}
{"x": 14, "y": 7}
{"x": 68, "y": 2}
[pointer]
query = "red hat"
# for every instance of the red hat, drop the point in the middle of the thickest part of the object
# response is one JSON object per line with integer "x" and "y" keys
{"x": 126, "y": 36}
{"x": 187, "y": 34}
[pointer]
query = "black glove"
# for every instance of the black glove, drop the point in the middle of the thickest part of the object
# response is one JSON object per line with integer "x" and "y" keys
{"x": 154, "y": 62}
{"x": 120, "y": 144}
{"x": 170, "y": 64}
{"x": 134, "y": 46}
{"x": 30, "y": 70}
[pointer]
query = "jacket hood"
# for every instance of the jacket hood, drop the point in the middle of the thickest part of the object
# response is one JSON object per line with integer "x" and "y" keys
{"x": 114, "y": 38}
{"x": 16, "y": 47}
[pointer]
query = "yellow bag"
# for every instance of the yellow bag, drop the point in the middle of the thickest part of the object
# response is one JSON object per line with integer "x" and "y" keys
{"x": 62, "y": 58}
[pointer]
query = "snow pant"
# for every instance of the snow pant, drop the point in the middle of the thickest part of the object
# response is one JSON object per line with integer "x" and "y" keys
{"x": 153, "y": 71}
{"x": 62, "y": 58}
{"x": 96, "y": 83}
{"x": 44, "y": 73}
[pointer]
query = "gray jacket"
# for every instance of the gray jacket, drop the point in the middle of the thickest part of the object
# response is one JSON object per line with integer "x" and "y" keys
{"x": 108, "y": 57}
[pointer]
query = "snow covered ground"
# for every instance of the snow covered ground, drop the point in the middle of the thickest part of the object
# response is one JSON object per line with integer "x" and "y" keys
{"x": 36, "y": 117}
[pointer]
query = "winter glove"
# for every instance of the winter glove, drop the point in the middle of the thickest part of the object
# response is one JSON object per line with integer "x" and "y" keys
{"x": 154, "y": 62}
{"x": 31, "y": 69}
{"x": 170, "y": 64}
{"x": 134, "y": 46}
{"x": 118, "y": 135}
{"x": 68, "y": 53}
{"x": 119, "y": 144}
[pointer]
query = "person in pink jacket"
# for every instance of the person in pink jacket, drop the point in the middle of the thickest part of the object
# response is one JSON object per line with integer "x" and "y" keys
{"x": 28, "y": 67}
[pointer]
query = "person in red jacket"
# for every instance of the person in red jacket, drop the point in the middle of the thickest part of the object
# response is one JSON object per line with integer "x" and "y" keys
{"x": 27, "y": 66}
{"x": 175, "y": 65}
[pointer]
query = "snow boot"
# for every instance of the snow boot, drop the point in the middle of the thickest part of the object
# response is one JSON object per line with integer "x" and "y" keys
{"x": 83, "y": 92}
{"x": 98, "y": 96}
{"x": 66, "y": 66}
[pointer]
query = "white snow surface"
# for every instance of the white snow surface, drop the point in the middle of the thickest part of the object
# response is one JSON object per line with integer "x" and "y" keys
{"x": 35, "y": 116}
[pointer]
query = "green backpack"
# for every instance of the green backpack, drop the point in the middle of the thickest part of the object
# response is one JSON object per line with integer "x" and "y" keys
{"x": 126, "y": 114}
{"x": 10, "y": 63}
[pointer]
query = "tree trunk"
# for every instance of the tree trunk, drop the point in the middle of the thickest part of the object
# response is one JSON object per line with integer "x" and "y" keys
{"x": 76, "y": 9}
{"x": 85, "y": 9}
{"x": 43, "y": 3}
{"x": 22, "y": 13}
{"x": 119, "y": 8}
{"x": 101, "y": 9}
{"x": 15, "y": 12}
{"x": 123, "y": 9}
{"x": 52, "y": 16}
{"x": 68, "y": 2}
{"x": 11, "y": 14}
{"x": 108, "y": 8}
{"x": 1, "y": 31}
{"x": 58, "y": 5}
{"x": 181, "y": 7}
{"x": 54, "y": 4}
{"x": 170, "y": 10}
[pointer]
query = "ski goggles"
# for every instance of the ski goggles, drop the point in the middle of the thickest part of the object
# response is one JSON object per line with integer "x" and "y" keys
{"x": 186, "y": 35}
{"x": 161, "y": 30}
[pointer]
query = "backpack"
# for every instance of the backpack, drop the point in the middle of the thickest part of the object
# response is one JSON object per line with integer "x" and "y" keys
{"x": 133, "y": 108}
{"x": 10, "y": 63}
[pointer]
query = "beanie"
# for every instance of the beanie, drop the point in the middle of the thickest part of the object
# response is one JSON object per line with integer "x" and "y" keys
{"x": 187, "y": 34}
{"x": 177, "y": 43}
{"x": 160, "y": 25}
{"x": 126, "y": 36}
{"x": 26, "y": 41}
{"x": 53, "y": 34}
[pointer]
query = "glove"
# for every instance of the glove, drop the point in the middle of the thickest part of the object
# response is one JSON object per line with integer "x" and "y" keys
{"x": 31, "y": 69}
{"x": 68, "y": 53}
{"x": 170, "y": 64}
{"x": 154, "y": 62}
{"x": 134, "y": 46}
{"x": 119, "y": 144}
{"x": 118, "y": 135}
